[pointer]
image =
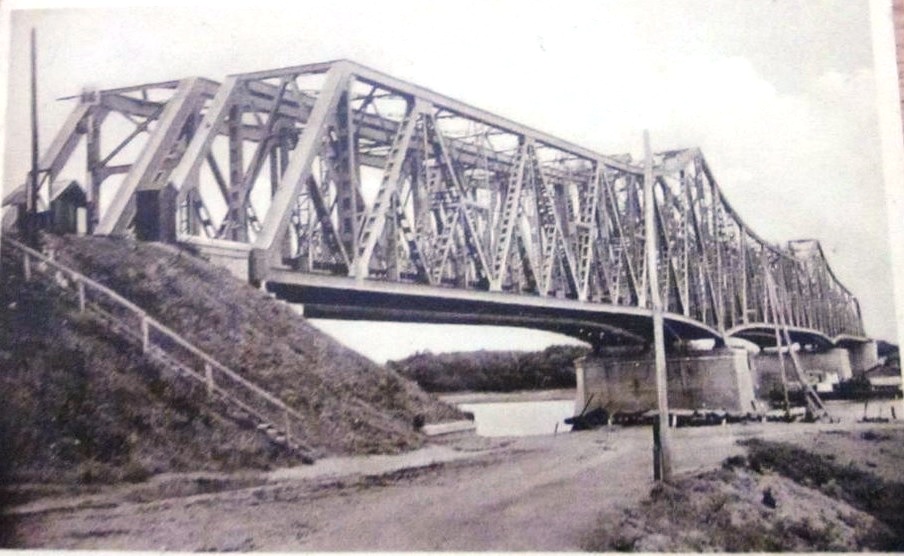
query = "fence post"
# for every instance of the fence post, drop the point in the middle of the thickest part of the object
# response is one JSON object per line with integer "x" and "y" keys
{"x": 657, "y": 450}
{"x": 145, "y": 333}
{"x": 208, "y": 376}
{"x": 81, "y": 295}
{"x": 26, "y": 266}
{"x": 288, "y": 427}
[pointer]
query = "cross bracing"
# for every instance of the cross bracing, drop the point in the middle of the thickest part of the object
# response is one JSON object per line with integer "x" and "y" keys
{"x": 337, "y": 169}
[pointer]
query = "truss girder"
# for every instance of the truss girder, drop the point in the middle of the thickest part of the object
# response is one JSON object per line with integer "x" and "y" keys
{"x": 379, "y": 179}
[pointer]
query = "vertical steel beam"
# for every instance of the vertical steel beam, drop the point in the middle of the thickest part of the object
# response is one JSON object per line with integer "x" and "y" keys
{"x": 705, "y": 283}
{"x": 236, "y": 222}
{"x": 349, "y": 206}
{"x": 93, "y": 174}
{"x": 625, "y": 263}
{"x": 586, "y": 231}
{"x": 716, "y": 244}
{"x": 509, "y": 216}
{"x": 685, "y": 246}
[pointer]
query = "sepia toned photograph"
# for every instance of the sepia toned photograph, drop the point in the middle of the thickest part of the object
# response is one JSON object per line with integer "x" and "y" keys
{"x": 452, "y": 276}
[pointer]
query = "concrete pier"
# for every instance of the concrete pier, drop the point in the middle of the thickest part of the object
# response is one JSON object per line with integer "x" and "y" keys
{"x": 231, "y": 255}
{"x": 863, "y": 356}
{"x": 830, "y": 365}
{"x": 718, "y": 379}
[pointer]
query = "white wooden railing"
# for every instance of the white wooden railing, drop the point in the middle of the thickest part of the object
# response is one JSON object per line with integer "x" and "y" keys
{"x": 163, "y": 344}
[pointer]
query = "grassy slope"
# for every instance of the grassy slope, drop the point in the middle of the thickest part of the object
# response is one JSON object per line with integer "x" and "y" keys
{"x": 81, "y": 406}
{"x": 352, "y": 405}
{"x": 778, "y": 498}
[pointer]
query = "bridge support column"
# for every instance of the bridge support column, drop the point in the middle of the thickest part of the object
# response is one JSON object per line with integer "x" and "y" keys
{"x": 719, "y": 379}
{"x": 863, "y": 356}
{"x": 234, "y": 256}
{"x": 830, "y": 365}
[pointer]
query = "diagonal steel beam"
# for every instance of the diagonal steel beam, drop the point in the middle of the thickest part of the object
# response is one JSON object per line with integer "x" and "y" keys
{"x": 239, "y": 200}
{"x": 375, "y": 221}
{"x": 267, "y": 243}
{"x": 326, "y": 223}
{"x": 545, "y": 198}
{"x": 451, "y": 177}
{"x": 615, "y": 218}
{"x": 199, "y": 148}
{"x": 169, "y": 128}
{"x": 65, "y": 141}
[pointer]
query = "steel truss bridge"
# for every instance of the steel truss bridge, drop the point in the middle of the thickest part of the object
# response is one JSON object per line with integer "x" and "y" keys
{"x": 364, "y": 196}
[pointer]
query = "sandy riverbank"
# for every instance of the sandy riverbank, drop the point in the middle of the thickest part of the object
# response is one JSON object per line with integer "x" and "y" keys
{"x": 531, "y": 493}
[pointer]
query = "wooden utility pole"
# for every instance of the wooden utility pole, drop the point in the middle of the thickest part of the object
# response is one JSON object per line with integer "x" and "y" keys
{"x": 662, "y": 457}
{"x": 31, "y": 226}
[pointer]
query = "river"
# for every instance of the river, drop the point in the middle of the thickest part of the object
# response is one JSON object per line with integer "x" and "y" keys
{"x": 544, "y": 412}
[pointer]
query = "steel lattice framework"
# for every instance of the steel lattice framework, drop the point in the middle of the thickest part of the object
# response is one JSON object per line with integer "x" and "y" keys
{"x": 337, "y": 169}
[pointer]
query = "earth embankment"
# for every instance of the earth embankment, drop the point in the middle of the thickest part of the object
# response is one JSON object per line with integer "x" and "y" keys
{"x": 82, "y": 404}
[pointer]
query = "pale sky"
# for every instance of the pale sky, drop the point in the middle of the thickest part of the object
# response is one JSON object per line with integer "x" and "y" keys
{"x": 779, "y": 94}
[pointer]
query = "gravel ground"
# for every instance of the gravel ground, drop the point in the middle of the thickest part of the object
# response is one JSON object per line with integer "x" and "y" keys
{"x": 529, "y": 493}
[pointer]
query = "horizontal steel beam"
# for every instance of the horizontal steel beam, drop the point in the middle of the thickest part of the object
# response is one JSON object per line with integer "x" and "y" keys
{"x": 383, "y": 80}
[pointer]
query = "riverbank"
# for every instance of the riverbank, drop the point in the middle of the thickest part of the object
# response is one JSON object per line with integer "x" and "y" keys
{"x": 530, "y": 493}
{"x": 835, "y": 491}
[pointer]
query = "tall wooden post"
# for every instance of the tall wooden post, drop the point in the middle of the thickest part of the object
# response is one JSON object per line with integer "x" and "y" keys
{"x": 31, "y": 200}
{"x": 661, "y": 452}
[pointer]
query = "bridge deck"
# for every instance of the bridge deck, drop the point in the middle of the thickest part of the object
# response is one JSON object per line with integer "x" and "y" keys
{"x": 763, "y": 335}
{"x": 350, "y": 299}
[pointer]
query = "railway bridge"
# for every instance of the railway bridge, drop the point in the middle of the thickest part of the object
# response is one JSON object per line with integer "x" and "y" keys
{"x": 362, "y": 196}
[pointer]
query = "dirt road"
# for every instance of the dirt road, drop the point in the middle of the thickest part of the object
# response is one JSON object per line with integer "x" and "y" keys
{"x": 530, "y": 493}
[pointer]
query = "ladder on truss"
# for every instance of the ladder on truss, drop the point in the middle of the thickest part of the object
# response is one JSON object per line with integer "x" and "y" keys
{"x": 779, "y": 306}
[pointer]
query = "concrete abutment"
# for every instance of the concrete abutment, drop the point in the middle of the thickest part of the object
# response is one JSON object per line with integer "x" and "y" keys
{"x": 726, "y": 379}
{"x": 718, "y": 379}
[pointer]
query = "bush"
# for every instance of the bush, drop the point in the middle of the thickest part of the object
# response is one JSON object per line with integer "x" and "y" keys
{"x": 492, "y": 371}
{"x": 134, "y": 472}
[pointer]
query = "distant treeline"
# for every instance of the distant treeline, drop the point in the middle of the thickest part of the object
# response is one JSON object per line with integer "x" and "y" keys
{"x": 492, "y": 371}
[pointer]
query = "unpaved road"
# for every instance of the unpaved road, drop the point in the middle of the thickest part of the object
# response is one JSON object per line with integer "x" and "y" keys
{"x": 531, "y": 493}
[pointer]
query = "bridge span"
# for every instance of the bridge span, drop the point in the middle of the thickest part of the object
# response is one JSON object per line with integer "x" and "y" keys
{"x": 363, "y": 196}
{"x": 597, "y": 324}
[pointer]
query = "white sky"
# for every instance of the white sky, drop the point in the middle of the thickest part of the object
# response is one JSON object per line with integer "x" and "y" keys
{"x": 780, "y": 95}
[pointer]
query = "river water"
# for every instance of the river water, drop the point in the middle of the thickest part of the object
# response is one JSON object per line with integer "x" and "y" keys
{"x": 525, "y": 418}
{"x": 520, "y": 418}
